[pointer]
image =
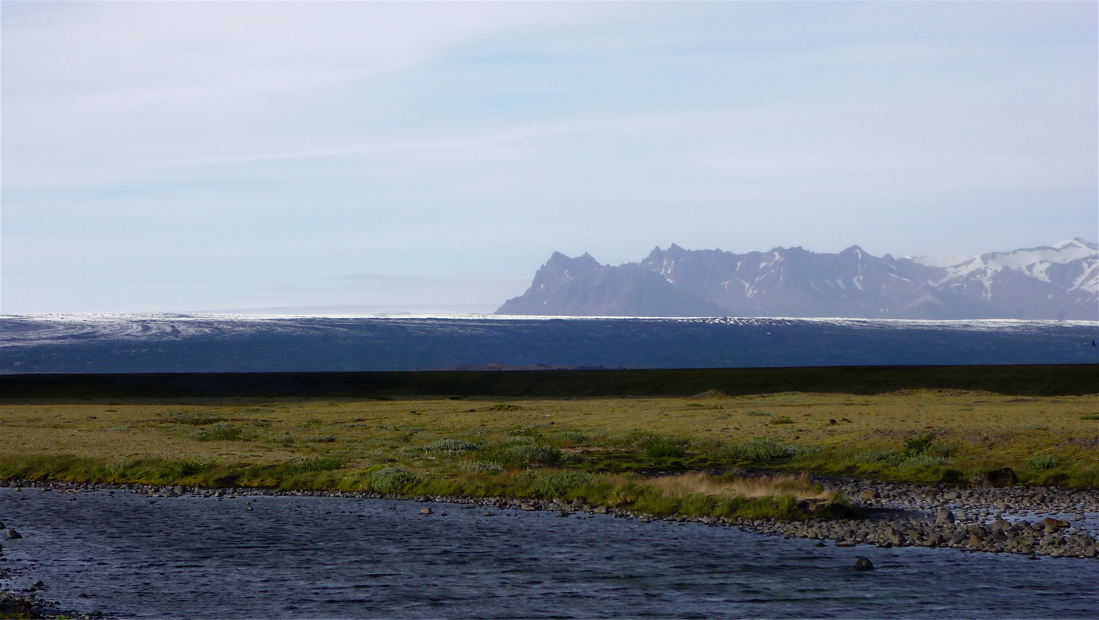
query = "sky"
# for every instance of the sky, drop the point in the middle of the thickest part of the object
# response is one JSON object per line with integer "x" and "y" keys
{"x": 429, "y": 157}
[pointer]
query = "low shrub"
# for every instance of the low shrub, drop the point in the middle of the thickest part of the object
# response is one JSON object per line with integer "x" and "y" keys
{"x": 925, "y": 461}
{"x": 193, "y": 418}
{"x": 780, "y": 420}
{"x": 219, "y": 432}
{"x": 481, "y": 467}
{"x": 512, "y": 440}
{"x": 761, "y": 449}
{"x": 918, "y": 445}
{"x": 757, "y": 413}
{"x": 285, "y": 440}
{"x": 559, "y": 483}
{"x": 392, "y": 480}
{"x": 574, "y": 437}
{"x": 656, "y": 446}
{"x": 326, "y": 463}
{"x": 664, "y": 449}
{"x": 1042, "y": 461}
{"x": 526, "y": 430}
{"x": 878, "y": 456}
{"x": 1089, "y": 417}
{"x": 452, "y": 446}
{"x": 539, "y": 453}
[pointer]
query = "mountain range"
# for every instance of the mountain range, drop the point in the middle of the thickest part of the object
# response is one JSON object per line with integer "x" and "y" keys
{"x": 1059, "y": 282}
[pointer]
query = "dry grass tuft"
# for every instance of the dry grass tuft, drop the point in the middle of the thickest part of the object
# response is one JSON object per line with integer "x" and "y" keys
{"x": 701, "y": 483}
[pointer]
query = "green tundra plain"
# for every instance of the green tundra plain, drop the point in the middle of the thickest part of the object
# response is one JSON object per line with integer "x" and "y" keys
{"x": 709, "y": 454}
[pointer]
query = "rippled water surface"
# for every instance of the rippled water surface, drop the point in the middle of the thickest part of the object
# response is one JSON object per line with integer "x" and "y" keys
{"x": 134, "y": 556}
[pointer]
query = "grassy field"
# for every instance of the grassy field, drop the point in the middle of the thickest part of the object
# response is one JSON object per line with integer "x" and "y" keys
{"x": 603, "y": 450}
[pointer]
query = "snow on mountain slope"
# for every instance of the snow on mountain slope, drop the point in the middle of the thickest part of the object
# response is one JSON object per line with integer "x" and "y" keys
{"x": 1032, "y": 261}
{"x": 939, "y": 260}
{"x": 1057, "y": 281}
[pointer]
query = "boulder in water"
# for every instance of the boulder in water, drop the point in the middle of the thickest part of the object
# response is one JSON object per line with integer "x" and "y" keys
{"x": 12, "y": 534}
{"x": 862, "y": 563}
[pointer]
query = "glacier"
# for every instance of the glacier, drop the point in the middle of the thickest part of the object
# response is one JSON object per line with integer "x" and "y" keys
{"x": 118, "y": 343}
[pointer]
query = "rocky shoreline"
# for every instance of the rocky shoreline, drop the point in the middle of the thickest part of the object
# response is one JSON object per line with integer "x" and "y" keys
{"x": 1010, "y": 519}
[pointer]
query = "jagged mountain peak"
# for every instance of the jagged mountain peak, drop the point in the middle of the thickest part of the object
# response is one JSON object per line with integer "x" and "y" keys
{"x": 580, "y": 264}
{"x": 1060, "y": 282}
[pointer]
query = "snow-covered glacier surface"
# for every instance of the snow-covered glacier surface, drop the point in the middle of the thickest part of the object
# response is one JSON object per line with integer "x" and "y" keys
{"x": 84, "y": 343}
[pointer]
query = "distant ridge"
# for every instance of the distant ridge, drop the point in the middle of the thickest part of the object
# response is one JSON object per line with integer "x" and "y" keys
{"x": 1059, "y": 282}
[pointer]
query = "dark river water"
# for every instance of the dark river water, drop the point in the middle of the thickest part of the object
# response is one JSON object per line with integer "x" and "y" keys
{"x": 132, "y": 556}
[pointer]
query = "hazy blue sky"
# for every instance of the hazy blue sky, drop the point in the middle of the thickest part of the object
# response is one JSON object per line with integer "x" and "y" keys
{"x": 181, "y": 156}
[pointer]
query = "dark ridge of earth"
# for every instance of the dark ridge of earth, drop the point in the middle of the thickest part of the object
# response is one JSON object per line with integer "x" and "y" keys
{"x": 1033, "y": 380}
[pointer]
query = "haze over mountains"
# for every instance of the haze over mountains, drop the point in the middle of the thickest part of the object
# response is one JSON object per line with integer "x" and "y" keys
{"x": 1058, "y": 282}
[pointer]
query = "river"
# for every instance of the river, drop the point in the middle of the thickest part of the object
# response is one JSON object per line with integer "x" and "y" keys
{"x": 312, "y": 557}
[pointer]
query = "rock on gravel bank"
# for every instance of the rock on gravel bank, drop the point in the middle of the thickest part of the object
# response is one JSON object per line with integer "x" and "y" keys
{"x": 15, "y": 604}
